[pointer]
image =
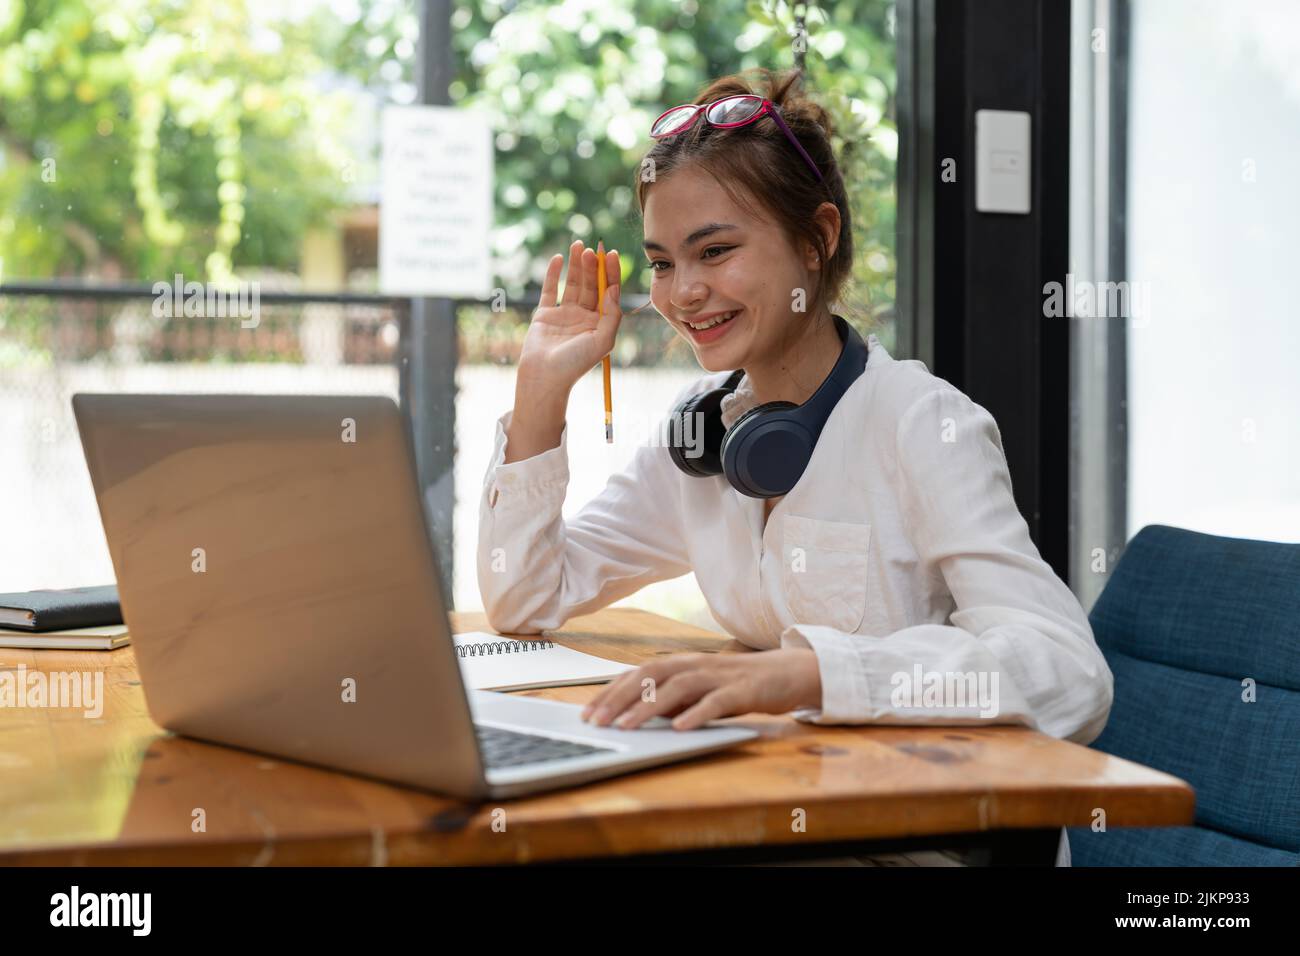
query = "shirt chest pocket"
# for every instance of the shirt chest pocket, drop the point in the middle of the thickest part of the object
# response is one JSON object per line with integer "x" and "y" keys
{"x": 824, "y": 570}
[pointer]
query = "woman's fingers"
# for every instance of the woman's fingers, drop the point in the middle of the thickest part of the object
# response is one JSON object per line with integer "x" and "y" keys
{"x": 607, "y": 324}
{"x": 628, "y": 688}
{"x": 590, "y": 273}
{"x": 670, "y": 698}
{"x": 580, "y": 287}
{"x": 613, "y": 271}
{"x": 573, "y": 278}
{"x": 612, "y": 313}
{"x": 613, "y": 276}
{"x": 625, "y": 687}
{"x": 720, "y": 702}
{"x": 551, "y": 284}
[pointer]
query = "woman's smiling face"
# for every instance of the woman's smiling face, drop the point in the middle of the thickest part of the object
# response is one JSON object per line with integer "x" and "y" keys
{"x": 710, "y": 257}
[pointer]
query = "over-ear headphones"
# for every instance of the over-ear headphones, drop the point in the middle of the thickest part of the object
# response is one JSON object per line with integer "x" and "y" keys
{"x": 766, "y": 450}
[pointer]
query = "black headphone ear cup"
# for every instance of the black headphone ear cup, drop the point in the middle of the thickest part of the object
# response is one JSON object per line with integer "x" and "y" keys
{"x": 738, "y": 426}
{"x": 759, "y": 410}
{"x": 765, "y": 475}
{"x": 698, "y": 422}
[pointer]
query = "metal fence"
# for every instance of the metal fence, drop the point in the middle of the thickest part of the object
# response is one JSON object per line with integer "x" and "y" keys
{"x": 41, "y": 323}
{"x": 57, "y": 339}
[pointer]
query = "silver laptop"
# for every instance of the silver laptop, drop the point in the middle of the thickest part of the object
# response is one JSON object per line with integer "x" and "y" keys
{"x": 280, "y": 589}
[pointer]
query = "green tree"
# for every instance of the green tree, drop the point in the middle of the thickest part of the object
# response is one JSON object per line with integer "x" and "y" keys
{"x": 141, "y": 138}
{"x": 571, "y": 89}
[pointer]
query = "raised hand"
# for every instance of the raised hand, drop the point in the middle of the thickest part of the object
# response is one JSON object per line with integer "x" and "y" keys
{"x": 566, "y": 337}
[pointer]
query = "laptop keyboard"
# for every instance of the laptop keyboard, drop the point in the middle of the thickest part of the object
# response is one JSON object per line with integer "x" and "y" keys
{"x": 510, "y": 748}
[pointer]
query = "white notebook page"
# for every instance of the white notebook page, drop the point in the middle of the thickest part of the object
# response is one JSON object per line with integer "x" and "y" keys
{"x": 534, "y": 663}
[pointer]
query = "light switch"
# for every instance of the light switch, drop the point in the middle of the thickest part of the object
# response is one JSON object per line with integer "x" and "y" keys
{"x": 1002, "y": 170}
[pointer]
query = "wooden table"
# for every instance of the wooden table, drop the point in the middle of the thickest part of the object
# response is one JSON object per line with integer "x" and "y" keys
{"x": 119, "y": 790}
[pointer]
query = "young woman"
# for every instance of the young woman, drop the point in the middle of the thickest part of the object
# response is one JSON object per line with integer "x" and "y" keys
{"x": 898, "y": 554}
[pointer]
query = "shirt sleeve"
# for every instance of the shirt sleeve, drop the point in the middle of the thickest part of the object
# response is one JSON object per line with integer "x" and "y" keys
{"x": 1016, "y": 626}
{"x": 536, "y": 570}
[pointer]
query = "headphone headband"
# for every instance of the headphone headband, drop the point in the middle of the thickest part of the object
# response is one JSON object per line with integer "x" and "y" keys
{"x": 765, "y": 451}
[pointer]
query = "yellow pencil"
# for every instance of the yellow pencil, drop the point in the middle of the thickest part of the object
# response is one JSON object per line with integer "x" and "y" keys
{"x": 601, "y": 286}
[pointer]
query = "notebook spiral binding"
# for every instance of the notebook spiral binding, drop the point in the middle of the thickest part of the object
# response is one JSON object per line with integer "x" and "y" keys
{"x": 485, "y": 649}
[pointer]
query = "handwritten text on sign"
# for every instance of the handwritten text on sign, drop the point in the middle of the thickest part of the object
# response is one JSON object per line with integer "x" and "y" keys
{"x": 436, "y": 210}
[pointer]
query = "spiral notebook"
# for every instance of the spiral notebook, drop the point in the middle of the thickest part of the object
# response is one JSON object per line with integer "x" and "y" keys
{"x": 492, "y": 662}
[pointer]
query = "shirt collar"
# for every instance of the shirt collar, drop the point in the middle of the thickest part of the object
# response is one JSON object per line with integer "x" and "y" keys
{"x": 738, "y": 402}
{"x": 743, "y": 398}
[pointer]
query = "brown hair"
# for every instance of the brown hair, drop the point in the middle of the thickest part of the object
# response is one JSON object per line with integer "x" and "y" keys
{"x": 756, "y": 163}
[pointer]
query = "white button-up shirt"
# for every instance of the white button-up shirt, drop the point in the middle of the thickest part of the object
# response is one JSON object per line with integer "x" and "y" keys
{"x": 901, "y": 547}
{"x": 900, "y": 558}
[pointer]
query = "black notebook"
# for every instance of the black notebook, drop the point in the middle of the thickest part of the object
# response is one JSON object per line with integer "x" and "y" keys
{"x": 58, "y": 610}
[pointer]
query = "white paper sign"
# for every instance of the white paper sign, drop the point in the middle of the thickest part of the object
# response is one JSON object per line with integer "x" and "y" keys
{"x": 435, "y": 211}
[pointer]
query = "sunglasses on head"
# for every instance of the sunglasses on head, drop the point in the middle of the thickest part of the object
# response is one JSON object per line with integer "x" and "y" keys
{"x": 727, "y": 113}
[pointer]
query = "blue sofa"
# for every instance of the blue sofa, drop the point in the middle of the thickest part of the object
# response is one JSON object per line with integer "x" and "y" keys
{"x": 1185, "y": 620}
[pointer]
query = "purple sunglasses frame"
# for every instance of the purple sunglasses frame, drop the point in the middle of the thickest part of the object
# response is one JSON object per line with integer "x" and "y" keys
{"x": 768, "y": 108}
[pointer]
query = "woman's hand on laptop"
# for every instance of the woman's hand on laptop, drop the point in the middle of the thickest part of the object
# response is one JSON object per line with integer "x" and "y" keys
{"x": 694, "y": 689}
